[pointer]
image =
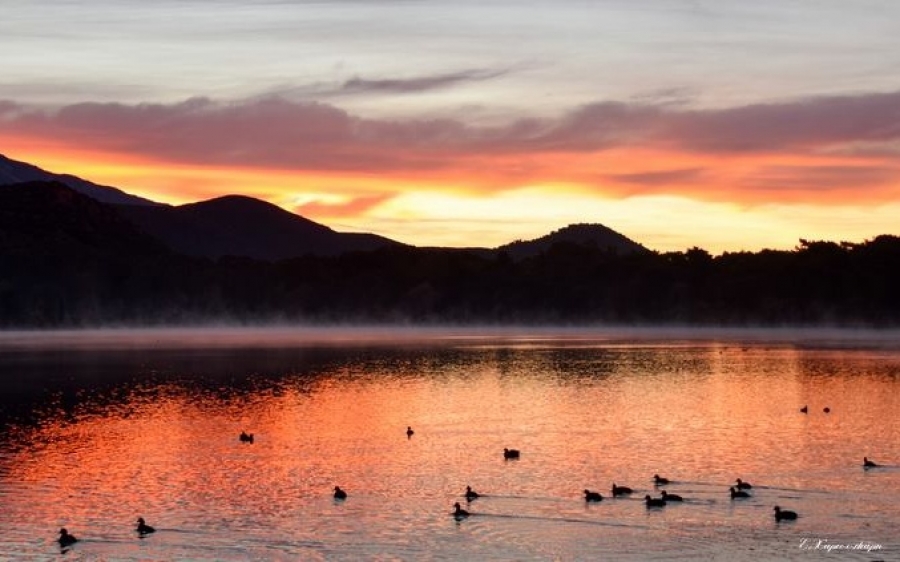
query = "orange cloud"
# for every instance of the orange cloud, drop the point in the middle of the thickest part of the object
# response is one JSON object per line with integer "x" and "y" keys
{"x": 828, "y": 149}
{"x": 350, "y": 208}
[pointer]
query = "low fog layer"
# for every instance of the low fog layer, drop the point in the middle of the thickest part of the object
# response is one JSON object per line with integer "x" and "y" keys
{"x": 305, "y": 336}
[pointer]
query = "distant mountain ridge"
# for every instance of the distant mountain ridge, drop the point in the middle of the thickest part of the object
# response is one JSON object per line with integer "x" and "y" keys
{"x": 239, "y": 226}
{"x": 235, "y": 225}
{"x": 595, "y": 235}
{"x": 14, "y": 171}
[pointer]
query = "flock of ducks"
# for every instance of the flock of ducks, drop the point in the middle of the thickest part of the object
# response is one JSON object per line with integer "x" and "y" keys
{"x": 67, "y": 539}
{"x": 739, "y": 490}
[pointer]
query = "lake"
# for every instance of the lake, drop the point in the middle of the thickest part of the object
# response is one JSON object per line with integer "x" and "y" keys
{"x": 102, "y": 427}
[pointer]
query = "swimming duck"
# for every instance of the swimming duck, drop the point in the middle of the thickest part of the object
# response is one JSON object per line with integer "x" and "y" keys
{"x": 654, "y": 502}
{"x": 741, "y": 485}
{"x": 738, "y": 493}
{"x": 868, "y": 464}
{"x": 471, "y": 494}
{"x": 659, "y": 480}
{"x": 620, "y": 490}
{"x": 804, "y": 409}
{"x": 65, "y": 539}
{"x": 143, "y": 528}
{"x": 826, "y": 409}
{"x": 784, "y": 514}
{"x": 459, "y": 512}
{"x": 409, "y": 432}
{"x": 666, "y": 496}
{"x": 590, "y": 496}
{"x": 339, "y": 494}
{"x": 510, "y": 453}
{"x": 246, "y": 437}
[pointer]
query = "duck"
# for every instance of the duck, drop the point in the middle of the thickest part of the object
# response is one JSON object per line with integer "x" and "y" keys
{"x": 620, "y": 490}
{"x": 666, "y": 496}
{"x": 459, "y": 512}
{"x": 143, "y": 528}
{"x": 868, "y": 464}
{"x": 65, "y": 539}
{"x": 741, "y": 485}
{"x": 659, "y": 480}
{"x": 804, "y": 409}
{"x": 654, "y": 502}
{"x": 738, "y": 493}
{"x": 246, "y": 437}
{"x": 590, "y": 496}
{"x": 471, "y": 494}
{"x": 826, "y": 409}
{"x": 409, "y": 432}
{"x": 510, "y": 453}
{"x": 784, "y": 514}
{"x": 339, "y": 494}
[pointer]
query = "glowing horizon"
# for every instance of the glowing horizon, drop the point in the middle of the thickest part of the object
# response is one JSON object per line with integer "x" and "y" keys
{"x": 734, "y": 141}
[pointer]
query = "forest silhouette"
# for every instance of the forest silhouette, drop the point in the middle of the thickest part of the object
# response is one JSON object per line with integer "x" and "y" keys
{"x": 69, "y": 261}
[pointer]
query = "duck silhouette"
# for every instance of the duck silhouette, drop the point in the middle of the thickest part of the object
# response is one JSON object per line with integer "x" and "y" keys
{"x": 590, "y": 496}
{"x": 621, "y": 490}
{"x": 409, "y": 432}
{"x": 738, "y": 493}
{"x": 654, "y": 502}
{"x": 246, "y": 437}
{"x": 741, "y": 485}
{"x": 65, "y": 539}
{"x": 666, "y": 496}
{"x": 510, "y": 453}
{"x": 659, "y": 480}
{"x": 339, "y": 494}
{"x": 781, "y": 514}
{"x": 868, "y": 464}
{"x": 459, "y": 512}
{"x": 143, "y": 528}
{"x": 471, "y": 494}
{"x": 804, "y": 409}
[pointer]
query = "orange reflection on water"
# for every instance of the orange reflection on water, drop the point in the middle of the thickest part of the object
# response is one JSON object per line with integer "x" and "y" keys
{"x": 584, "y": 416}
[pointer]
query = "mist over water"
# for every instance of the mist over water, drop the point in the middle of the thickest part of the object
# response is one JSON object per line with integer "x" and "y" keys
{"x": 106, "y": 426}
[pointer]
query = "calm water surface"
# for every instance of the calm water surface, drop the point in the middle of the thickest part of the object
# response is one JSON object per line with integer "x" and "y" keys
{"x": 103, "y": 427}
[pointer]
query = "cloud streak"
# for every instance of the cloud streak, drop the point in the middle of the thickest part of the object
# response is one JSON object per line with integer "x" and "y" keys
{"x": 276, "y": 133}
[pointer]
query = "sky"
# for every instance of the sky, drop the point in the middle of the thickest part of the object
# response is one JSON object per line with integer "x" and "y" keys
{"x": 727, "y": 125}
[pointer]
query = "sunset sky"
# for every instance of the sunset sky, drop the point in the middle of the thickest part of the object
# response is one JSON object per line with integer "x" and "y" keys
{"x": 726, "y": 124}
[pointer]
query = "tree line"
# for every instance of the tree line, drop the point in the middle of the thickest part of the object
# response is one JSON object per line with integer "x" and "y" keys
{"x": 816, "y": 283}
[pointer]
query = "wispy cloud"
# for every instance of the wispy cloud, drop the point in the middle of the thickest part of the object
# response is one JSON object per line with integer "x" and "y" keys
{"x": 353, "y": 207}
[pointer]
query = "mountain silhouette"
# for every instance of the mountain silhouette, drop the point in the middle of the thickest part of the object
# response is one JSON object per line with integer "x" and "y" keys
{"x": 591, "y": 235}
{"x": 235, "y": 225}
{"x": 14, "y": 171}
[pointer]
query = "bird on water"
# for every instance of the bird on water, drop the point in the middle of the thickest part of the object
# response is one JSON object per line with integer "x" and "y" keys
{"x": 339, "y": 494}
{"x": 459, "y": 512}
{"x": 620, "y": 490}
{"x": 666, "y": 496}
{"x": 868, "y": 464}
{"x": 409, "y": 432}
{"x": 65, "y": 539}
{"x": 741, "y": 485}
{"x": 143, "y": 528}
{"x": 654, "y": 502}
{"x": 738, "y": 493}
{"x": 659, "y": 480}
{"x": 471, "y": 494}
{"x": 590, "y": 496}
{"x": 510, "y": 453}
{"x": 781, "y": 514}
